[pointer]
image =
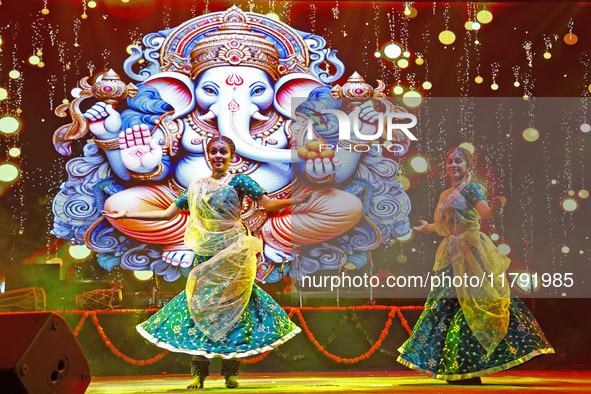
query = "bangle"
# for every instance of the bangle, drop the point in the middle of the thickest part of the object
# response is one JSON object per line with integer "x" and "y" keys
{"x": 327, "y": 179}
{"x": 111, "y": 144}
{"x": 140, "y": 176}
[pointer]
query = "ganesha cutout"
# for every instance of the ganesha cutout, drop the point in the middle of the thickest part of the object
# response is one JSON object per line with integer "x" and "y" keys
{"x": 234, "y": 74}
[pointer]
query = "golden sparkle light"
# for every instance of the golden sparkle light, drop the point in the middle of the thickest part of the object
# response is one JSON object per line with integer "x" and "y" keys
{"x": 402, "y": 63}
{"x": 79, "y": 252}
{"x": 419, "y": 164}
{"x": 583, "y": 193}
{"x": 478, "y": 79}
{"x": 392, "y": 50}
{"x": 468, "y": 146}
{"x": 547, "y": 55}
{"x": 569, "y": 205}
{"x": 14, "y": 74}
{"x": 484, "y": 16}
{"x": 10, "y": 125}
{"x": 398, "y": 90}
{"x": 143, "y": 275}
{"x": 494, "y": 86}
{"x": 531, "y": 134}
{"x": 405, "y": 182}
{"x": 9, "y": 172}
{"x": 447, "y": 37}
{"x": 14, "y": 152}
{"x": 412, "y": 99}
{"x": 427, "y": 85}
{"x": 419, "y": 61}
{"x": 3, "y": 94}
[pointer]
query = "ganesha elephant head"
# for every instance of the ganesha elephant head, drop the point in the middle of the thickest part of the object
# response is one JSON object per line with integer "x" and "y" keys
{"x": 236, "y": 97}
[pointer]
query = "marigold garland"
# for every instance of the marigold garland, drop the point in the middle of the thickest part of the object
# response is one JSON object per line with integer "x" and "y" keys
{"x": 116, "y": 351}
{"x": 394, "y": 311}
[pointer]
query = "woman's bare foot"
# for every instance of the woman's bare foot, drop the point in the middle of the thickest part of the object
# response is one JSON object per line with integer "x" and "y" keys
{"x": 231, "y": 382}
{"x": 197, "y": 383}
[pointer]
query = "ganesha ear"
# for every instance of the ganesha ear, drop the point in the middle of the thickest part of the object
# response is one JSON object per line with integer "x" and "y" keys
{"x": 292, "y": 87}
{"x": 176, "y": 89}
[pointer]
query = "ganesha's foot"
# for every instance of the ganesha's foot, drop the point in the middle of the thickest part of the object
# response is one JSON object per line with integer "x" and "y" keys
{"x": 183, "y": 258}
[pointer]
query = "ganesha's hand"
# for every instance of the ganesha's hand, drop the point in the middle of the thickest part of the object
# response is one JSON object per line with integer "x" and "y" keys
{"x": 139, "y": 152}
{"x": 367, "y": 113}
{"x": 322, "y": 168}
{"x": 105, "y": 121}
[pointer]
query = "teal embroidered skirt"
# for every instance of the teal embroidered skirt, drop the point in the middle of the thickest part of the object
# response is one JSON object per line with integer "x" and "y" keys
{"x": 263, "y": 326}
{"x": 442, "y": 345}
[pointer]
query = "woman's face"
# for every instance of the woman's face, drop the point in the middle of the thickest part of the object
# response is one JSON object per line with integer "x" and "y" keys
{"x": 456, "y": 167}
{"x": 220, "y": 156}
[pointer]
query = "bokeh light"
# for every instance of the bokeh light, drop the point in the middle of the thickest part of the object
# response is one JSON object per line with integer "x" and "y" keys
{"x": 530, "y": 134}
{"x": 79, "y": 252}
{"x": 14, "y": 152}
{"x": 476, "y": 26}
{"x": 570, "y": 39}
{"x": 547, "y": 55}
{"x": 10, "y": 125}
{"x": 484, "y": 16}
{"x": 3, "y": 94}
{"x": 494, "y": 236}
{"x": 274, "y": 16}
{"x": 583, "y": 193}
{"x": 405, "y": 238}
{"x": 377, "y": 54}
{"x": 468, "y": 25}
{"x": 447, "y": 37}
{"x": 405, "y": 182}
{"x": 571, "y": 193}
{"x": 14, "y": 74}
{"x": 504, "y": 249}
{"x": 34, "y": 60}
{"x": 554, "y": 181}
{"x": 402, "y": 63}
{"x": 427, "y": 85}
{"x": 570, "y": 204}
{"x": 585, "y": 127}
{"x": 419, "y": 164}
{"x": 92, "y": 4}
{"x": 478, "y": 79}
{"x": 412, "y": 99}
{"x": 419, "y": 61}
{"x": 468, "y": 146}
{"x": 392, "y": 50}
{"x": 9, "y": 172}
{"x": 401, "y": 259}
{"x": 143, "y": 275}
{"x": 494, "y": 86}
{"x": 398, "y": 90}
{"x": 565, "y": 249}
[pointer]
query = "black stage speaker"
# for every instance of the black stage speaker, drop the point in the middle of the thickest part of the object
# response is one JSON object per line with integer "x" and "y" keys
{"x": 39, "y": 354}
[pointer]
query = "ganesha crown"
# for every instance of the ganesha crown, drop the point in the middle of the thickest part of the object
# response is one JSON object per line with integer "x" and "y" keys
{"x": 234, "y": 43}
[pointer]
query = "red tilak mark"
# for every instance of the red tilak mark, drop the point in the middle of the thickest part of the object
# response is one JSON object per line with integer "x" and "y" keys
{"x": 234, "y": 79}
{"x": 233, "y": 106}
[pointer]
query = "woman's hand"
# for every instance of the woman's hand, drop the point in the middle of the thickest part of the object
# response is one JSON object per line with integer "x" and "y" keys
{"x": 301, "y": 198}
{"x": 422, "y": 227}
{"x": 497, "y": 204}
{"x": 114, "y": 214}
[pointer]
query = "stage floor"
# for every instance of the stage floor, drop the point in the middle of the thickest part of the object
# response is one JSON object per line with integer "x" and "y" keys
{"x": 353, "y": 381}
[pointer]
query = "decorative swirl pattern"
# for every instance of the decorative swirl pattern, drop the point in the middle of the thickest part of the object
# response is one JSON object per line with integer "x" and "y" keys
{"x": 152, "y": 42}
{"x": 102, "y": 239}
{"x": 365, "y": 238}
{"x": 139, "y": 258}
{"x": 319, "y": 54}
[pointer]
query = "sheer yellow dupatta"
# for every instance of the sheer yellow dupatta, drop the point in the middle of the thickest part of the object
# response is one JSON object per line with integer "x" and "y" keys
{"x": 219, "y": 289}
{"x": 473, "y": 254}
